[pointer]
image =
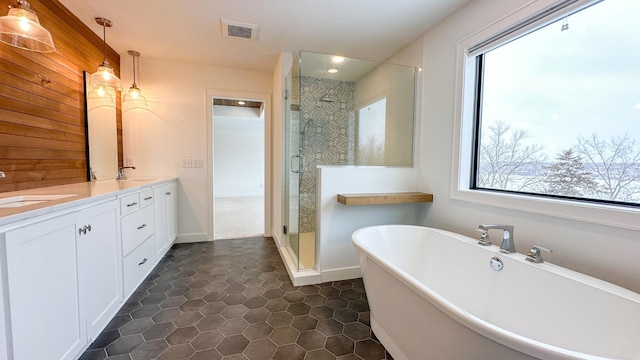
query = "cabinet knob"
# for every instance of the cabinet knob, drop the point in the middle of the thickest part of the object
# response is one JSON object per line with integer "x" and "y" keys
{"x": 142, "y": 226}
{"x": 168, "y": 193}
{"x": 148, "y": 198}
{"x": 83, "y": 230}
{"x": 132, "y": 204}
{"x": 142, "y": 262}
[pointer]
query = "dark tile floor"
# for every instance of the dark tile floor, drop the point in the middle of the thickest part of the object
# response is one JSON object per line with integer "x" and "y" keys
{"x": 232, "y": 299}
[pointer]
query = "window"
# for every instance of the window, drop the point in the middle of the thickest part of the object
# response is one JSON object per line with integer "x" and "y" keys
{"x": 557, "y": 109}
{"x": 371, "y": 134}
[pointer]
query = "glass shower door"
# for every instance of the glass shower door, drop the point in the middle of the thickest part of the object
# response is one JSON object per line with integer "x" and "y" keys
{"x": 292, "y": 167}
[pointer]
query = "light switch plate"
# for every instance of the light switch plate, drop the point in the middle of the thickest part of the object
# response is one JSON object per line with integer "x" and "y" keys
{"x": 186, "y": 162}
{"x": 198, "y": 163}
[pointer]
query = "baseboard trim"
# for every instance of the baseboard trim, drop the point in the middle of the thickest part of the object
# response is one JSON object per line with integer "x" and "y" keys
{"x": 239, "y": 195}
{"x": 191, "y": 238}
{"x": 341, "y": 274}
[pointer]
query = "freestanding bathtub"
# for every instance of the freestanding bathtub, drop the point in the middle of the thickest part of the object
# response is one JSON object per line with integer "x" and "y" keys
{"x": 434, "y": 295}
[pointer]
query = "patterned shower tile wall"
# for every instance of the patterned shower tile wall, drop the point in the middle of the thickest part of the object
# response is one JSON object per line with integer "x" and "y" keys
{"x": 329, "y": 137}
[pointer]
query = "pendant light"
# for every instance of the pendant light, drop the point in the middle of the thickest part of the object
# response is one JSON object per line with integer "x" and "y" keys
{"x": 101, "y": 96}
{"x": 21, "y": 28}
{"x": 134, "y": 96}
{"x": 105, "y": 75}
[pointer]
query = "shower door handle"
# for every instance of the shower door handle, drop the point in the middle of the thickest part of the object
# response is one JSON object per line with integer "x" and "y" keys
{"x": 292, "y": 162}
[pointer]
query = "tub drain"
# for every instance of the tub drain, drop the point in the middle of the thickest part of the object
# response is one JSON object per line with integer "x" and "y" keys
{"x": 496, "y": 263}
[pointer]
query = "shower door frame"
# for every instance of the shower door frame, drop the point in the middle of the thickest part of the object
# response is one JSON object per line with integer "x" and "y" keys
{"x": 291, "y": 154}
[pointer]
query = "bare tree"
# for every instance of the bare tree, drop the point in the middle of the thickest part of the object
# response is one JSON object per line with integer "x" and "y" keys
{"x": 616, "y": 163}
{"x": 371, "y": 152}
{"x": 502, "y": 154}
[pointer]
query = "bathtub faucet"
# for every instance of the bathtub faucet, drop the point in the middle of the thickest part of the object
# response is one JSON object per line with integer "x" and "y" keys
{"x": 507, "y": 245}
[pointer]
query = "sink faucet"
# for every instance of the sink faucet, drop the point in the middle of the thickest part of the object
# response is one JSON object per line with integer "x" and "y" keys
{"x": 121, "y": 175}
{"x": 507, "y": 245}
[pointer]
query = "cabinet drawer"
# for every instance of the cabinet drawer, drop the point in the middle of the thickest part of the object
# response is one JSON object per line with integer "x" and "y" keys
{"x": 136, "y": 228}
{"x": 146, "y": 198}
{"x": 129, "y": 204}
{"x": 137, "y": 265}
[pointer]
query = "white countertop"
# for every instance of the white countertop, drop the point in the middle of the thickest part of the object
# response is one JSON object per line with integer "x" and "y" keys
{"x": 84, "y": 192}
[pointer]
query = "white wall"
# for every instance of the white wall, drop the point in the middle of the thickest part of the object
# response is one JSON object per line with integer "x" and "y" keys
{"x": 337, "y": 257}
{"x": 174, "y": 126}
{"x": 605, "y": 252}
{"x": 238, "y": 152}
{"x": 412, "y": 55}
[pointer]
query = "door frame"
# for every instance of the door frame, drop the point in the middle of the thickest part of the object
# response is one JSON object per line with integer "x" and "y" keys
{"x": 265, "y": 98}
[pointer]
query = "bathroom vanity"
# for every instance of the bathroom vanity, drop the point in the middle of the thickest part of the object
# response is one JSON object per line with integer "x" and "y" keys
{"x": 71, "y": 255}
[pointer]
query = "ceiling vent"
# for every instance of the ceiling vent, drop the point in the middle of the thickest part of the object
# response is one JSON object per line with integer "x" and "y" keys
{"x": 239, "y": 30}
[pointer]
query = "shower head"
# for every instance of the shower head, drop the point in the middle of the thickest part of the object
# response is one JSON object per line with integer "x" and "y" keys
{"x": 326, "y": 98}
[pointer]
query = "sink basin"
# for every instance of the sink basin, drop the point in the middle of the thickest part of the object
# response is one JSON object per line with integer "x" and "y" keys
{"x": 141, "y": 179}
{"x": 24, "y": 200}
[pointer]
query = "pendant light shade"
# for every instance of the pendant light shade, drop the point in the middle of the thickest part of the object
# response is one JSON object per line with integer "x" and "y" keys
{"x": 134, "y": 97}
{"x": 21, "y": 28}
{"x": 101, "y": 96}
{"x": 105, "y": 75}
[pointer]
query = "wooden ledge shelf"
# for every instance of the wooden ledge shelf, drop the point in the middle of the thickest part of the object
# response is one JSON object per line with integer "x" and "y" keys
{"x": 384, "y": 198}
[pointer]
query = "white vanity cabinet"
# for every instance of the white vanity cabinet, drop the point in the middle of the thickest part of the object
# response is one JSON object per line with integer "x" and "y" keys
{"x": 67, "y": 268}
{"x": 62, "y": 282}
{"x": 166, "y": 211}
{"x": 100, "y": 266}
{"x": 138, "y": 227}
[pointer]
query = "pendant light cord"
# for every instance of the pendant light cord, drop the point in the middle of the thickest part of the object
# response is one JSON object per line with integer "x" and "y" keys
{"x": 134, "y": 70}
{"x": 104, "y": 37}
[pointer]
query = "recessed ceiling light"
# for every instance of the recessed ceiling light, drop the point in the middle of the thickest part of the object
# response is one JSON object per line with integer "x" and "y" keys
{"x": 241, "y": 102}
{"x": 337, "y": 59}
{"x": 332, "y": 71}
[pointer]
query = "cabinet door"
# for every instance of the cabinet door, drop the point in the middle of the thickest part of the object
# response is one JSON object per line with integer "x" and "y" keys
{"x": 166, "y": 210}
{"x": 42, "y": 276}
{"x": 100, "y": 266}
{"x": 160, "y": 209}
{"x": 171, "y": 213}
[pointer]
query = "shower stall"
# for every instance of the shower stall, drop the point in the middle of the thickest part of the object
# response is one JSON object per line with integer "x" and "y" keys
{"x": 341, "y": 112}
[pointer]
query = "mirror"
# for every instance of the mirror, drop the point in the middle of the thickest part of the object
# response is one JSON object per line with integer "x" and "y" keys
{"x": 102, "y": 139}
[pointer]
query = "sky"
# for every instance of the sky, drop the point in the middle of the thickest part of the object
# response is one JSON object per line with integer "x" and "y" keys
{"x": 559, "y": 85}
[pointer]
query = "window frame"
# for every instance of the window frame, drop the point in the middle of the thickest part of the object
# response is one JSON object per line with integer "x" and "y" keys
{"x": 515, "y": 24}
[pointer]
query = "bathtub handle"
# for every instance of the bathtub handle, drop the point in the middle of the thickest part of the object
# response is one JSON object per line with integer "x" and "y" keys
{"x": 535, "y": 256}
{"x": 484, "y": 237}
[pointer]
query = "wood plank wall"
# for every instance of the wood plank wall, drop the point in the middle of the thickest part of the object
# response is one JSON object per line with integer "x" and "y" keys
{"x": 42, "y": 108}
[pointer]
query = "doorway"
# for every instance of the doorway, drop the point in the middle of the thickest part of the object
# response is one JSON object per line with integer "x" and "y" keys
{"x": 238, "y": 176}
